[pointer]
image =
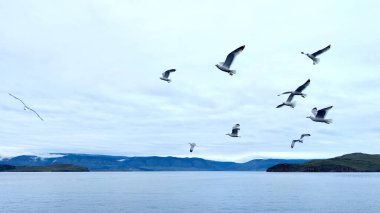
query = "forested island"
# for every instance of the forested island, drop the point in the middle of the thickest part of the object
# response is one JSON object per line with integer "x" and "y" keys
{"x": 355, "y": 162}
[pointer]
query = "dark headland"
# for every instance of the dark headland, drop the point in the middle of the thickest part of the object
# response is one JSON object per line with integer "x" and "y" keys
{"x": 355, "y": 162}
{"x": 50, "y": 168}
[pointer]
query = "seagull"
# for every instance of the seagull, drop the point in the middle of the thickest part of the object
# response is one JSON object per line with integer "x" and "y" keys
{"x": 299, "y": 140}
{"x": 192, "y": 145}
{"x": 225, "y": 66}
{"x": 235, "y": 131}
{"x": 288, "y": 102}
{"x": 299, "y": 90}
{"x": 26, "y": 107}
{"x": 319, "y": 115}
{"x": 165, "y": 75}
{"x": 314, "y": 55}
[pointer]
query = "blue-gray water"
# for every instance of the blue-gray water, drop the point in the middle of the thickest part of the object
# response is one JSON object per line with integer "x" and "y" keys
{"x": 189, "y": 192}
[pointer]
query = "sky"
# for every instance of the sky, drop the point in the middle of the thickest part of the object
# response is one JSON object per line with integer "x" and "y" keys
{"x": 91, "y": 69}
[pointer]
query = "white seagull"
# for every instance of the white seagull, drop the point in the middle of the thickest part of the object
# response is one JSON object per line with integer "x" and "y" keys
{"x": 165, "y": 75}
{"x": 314, "y": 55}
{"x": 225, "y": 66}
{"x": 299, "y": 140}
{"x": 26, "y": 107}
{"x": 192, "y": 145}
{"x": 299, "y": 90}
{"x": 319, "y": 115}
{"x": 235, "y": 131}
{"x": 288, "y": 102}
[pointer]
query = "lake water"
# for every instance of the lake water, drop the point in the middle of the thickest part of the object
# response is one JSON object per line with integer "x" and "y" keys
{"x": 189, "y": 192}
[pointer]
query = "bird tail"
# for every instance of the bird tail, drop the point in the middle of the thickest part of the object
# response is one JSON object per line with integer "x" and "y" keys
{"x": 293, "y": 104}
{"x": 232, "y": 72}
{"x": 329, "y": 121}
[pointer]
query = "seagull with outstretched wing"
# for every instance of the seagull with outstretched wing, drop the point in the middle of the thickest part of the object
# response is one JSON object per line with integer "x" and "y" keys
{"x": 288, "y": 102}
{"x": 26, "y": 107}
{"x": 192, "y": 145}
{"x": 299, "y": 140}
{"x": 299, "y": 90}
{"x": 319, "y": 115}
{"x": 225, "y": 66}
{"x": 314, "y": 55}
{"x": 165, "y": 75}
{"x": 235, "y": 131}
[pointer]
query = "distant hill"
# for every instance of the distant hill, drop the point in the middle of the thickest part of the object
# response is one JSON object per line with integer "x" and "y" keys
{"x": 50, "y": 168}
{"x": 122, "y": 163}
{"x": 355, "y": 162}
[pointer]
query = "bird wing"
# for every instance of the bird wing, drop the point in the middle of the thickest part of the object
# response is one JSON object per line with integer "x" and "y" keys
{"x": 281, "y": 105}
{"x": 322, "y": 112}
{"x": 290, "y": 98}
{"x": 303, "y": 86}
{"x": 284, "y": 93}
{"x": 293, "y": 142}
{"x": 321, "y": 51}
{"x": 235, "y": 129}
{"x": 17, "y": 99}
{"x": 167, "y": 73}
{"x": 304, "y": 135}
{"x": 34, "y": 112}
{"x": 230, "y": 57}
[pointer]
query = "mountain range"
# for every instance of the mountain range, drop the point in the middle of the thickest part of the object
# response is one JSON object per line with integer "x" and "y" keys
{"x": 123, "y": 163}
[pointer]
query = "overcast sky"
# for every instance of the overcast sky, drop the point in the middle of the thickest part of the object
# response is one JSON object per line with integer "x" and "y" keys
{"x": 91, "y": 69}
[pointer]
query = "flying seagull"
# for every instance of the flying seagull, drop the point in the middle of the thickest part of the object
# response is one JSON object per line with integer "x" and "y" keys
{"x": 314, "y": 55}
{"x": 299, "y": 140}
{"x": 26, "y": 107}
{"x": 288, "y": 102}
{"x": 235, "y": 131}
{"x": 319, "y": 115}
{"x": 192, "y": 145}
{"x": 165, "y": 75}
{"x": 225, "y": 66}
{"x": 299, "y": 90}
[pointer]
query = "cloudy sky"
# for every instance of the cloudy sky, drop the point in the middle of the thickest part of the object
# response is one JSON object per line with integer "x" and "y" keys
{"x": 92, "y": 68}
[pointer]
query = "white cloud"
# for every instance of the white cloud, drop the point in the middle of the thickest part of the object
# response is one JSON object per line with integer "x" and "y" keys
{"x": 91, "y": 69}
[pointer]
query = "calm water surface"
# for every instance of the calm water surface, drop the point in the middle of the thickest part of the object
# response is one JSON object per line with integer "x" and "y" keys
{"x": 189, "y": 192}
